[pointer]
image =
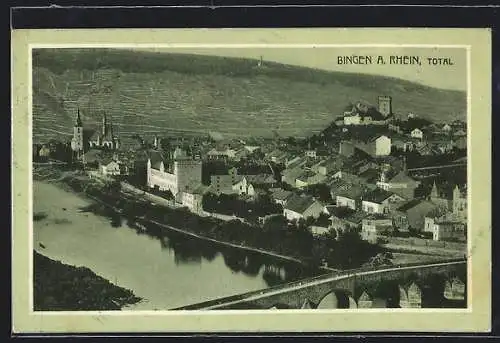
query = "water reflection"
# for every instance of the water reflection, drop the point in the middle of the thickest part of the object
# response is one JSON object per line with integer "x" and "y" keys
{"x": 193, "y": 251}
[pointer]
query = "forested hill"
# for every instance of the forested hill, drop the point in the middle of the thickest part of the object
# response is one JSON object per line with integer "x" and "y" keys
{"x": 148, "y": 92}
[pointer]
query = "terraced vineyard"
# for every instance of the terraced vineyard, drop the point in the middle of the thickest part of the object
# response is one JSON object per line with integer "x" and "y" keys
{"x": 147, "y": 93}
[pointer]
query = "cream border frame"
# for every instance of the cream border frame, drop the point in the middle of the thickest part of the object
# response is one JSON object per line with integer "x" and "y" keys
{"x": 475, "y": 318}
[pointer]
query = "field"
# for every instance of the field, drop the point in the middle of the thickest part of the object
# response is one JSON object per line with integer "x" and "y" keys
{"x": 147, "y": 93}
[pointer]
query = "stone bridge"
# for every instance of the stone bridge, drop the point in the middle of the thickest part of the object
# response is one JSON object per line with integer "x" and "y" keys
{"x": 417, "y": 285}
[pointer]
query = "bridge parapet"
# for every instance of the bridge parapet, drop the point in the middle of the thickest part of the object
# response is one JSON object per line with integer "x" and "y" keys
{"x": 351, "y": 285}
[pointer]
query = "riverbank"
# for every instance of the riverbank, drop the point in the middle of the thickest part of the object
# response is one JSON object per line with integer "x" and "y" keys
{"x": 293, "y": 247}
{"x": 80, "y": 185}
{"x": 61, "y": 287}
{"x": 165, "y": 268}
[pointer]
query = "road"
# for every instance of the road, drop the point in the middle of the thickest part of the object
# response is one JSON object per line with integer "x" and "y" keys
{"x": 439, "y": 167}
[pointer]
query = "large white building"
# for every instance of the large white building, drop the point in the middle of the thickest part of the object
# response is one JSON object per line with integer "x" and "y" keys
{"x": 180, "y": 174}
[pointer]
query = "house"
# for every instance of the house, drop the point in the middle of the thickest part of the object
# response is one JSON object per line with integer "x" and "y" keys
{"x": 375, "y": 225}
{"x": 376, "y": 146}
{"x": 192, "y": 197}
{"x": 382, "y": 146}
{"x": 248, "y": 184}
{"x": 346, "y": 148}
{"x": 243, "y": 187}
{"x": 460, "y": 142}
{"x": 346, "y": 194}
{"x": 223, "y": 184}
{"x": 319, "y": 230}
{"x": 331, "y": 165}
{"x": 264, "y": 181}
{"x": 274, "y": 155}
{"x": 424, "y": 149}
{"x": 311, "y": 153}
{"x": 412, "y": 214}
{"x": 380, "y": 201}
{"x": 449, "y": 229}
{"x": 225, "y": 154}
{"x": 112, "y": 167}
{"x": 44, "y": 152}
{"x": 291, "y": 173}
{"x": 431, "y": 217}
{"x": 302, "y": 207}
{"x": 460, "y": 133}
{"x": 440, "y": 145}
{"x": 344, "y": 219}
{"x": 446, "y": 128}
{"x": 417, "y": 133}
{"x": 280, "y": 196}
{"x": 402, "y": 184}
{"x": 307, "y": 178}
{"x": 369, "y": 176}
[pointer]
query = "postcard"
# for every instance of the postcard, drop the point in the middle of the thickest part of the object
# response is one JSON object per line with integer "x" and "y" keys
{"x": 251, "y": 180}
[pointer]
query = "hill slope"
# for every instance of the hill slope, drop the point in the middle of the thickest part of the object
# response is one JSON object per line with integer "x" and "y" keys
{"x": 148, "y": 93}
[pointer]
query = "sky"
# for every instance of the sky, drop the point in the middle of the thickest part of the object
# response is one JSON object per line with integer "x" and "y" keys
{"x": 439, "y": 76}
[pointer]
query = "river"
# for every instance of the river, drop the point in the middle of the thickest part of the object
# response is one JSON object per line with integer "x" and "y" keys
{"x": 166, "y": 269}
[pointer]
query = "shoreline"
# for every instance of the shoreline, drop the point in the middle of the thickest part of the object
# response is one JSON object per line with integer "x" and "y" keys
{"x": 55, "y": 288}
{"x": 119, "y": 211}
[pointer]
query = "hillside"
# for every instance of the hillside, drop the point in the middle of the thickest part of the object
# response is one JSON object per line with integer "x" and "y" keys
{"x": 146, "y": 92}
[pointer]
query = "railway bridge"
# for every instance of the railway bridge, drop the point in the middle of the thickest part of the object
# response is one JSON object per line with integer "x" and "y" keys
{"x": 406, "y": 286}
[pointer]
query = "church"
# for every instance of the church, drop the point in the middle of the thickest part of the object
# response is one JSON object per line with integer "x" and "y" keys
{"x": 103, "y": 138}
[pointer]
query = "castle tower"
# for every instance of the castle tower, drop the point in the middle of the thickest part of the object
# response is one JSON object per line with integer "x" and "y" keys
{"x": 77, "y": 141}
{"x": 385, "y": 105}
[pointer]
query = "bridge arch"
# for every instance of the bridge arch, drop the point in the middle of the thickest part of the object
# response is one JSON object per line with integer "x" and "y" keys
{"x": 337, "y": 298}
{"x": 411, "y": 296}
{"x": 307, "y": 305}
{"x": 454, "y": 289}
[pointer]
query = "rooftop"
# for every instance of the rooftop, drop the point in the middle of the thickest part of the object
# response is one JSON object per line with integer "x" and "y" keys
{"x": 347, "y": 189}
{"x": 299, "y": 203}
{"x": 377, "y": 195}
{"x": 280, "y": 194}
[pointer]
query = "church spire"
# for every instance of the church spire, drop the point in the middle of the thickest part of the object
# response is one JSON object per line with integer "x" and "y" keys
{"x": 78, "y": 122}
{"x": 434, "y": 191}
{"x": 104, "y": 124}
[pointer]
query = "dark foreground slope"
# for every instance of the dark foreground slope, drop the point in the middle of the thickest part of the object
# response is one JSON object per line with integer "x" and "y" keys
{"x": 158, "y": 92}
{"x": 60, "y": 287}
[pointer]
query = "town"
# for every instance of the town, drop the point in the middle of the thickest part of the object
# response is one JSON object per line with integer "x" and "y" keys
{"x": 396, "y": 180}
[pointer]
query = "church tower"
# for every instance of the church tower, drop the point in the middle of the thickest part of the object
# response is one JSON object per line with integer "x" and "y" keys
{"x": 104, "y": 125}
{"x": 434, "y": 191}
{"x": 77, "y": 141}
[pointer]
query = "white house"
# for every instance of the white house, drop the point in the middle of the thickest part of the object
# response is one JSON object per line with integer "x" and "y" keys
{"x": 311, "y": 153}
{"x": 110, "y": 168}
{"x": 280, "y": 196}
{"x": 446, "y": 128}
{"x": 372, "y": 226}
{"x": 192, "y": 198}
{"x": 352, "y": 119}
{"x": 417, "y": 133}
{"x": 444, "y": 229}
{"x": 382, "y": 146}
{"x": 244, "y": 187}
{"x": 380, "y": 201}
{"x": 302, "y": 207}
